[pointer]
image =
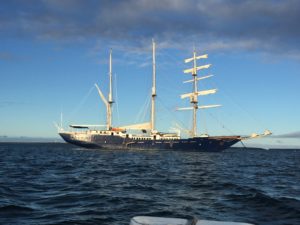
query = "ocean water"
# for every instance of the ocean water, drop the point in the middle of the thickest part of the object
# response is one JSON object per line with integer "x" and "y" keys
{"x": 62, "y": 184}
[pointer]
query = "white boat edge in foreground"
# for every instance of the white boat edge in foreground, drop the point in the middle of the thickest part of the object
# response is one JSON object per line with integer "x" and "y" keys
{"x": 149, "y": 220}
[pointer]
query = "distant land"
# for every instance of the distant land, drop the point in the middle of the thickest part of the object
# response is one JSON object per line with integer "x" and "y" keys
{"x": 265, "y": 149}
{"x": 30, "y": 139}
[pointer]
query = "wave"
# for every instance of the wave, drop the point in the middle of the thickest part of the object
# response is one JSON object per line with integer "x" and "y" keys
{"x": 265, "y": 207}
{"x": 15, "y": 209}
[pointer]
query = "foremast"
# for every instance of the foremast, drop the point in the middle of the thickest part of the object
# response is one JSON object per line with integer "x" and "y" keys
{"x": 108, "y": 102}
{"x": 194, "y": 95}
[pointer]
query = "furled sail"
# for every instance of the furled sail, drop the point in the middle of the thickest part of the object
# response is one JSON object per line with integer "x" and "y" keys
{"x": 184, "y": 108}
{"x": 199, "y": 107}
{"x": 197, "y": 57}
{"x": 194, "y": 70}
{"x": 208, "y": 106}
{"x": 255, "y": 135}
{"x": 140, "y": 126}
{"x": 102, "y": 95}
{"x": 85, "y": 126}
{"x": 205, "y": 92}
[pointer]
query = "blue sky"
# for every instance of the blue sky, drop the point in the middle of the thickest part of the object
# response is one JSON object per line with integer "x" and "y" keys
{"x": 52, "y": 53}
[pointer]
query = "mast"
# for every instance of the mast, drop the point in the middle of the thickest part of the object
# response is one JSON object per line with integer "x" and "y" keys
{"x": 194, "y": 95}
{"x": 110, "y": 101}
{"x": 153, "y": 95}
{"x": 194, "y": 100}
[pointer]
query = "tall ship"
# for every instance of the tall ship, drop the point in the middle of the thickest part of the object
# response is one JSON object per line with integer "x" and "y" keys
{"x": 144, "y": 136}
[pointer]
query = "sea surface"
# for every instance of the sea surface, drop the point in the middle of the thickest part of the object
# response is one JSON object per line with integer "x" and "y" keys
{"x": 63, "y": 184}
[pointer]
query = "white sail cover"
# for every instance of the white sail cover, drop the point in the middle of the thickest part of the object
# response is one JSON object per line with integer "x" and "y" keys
{"x": 184, "y": 108}
{"x": 205, "y": 92}
{"x": 255, "y": 135}
{"x": 102, "y": 95}
{"x": 199, "y": 107}
{"x": 197, "y": 68}
{"x": 85, "y": 125}
{"x": 208, "y": 106}
{"x": 140, "y": 126}
{"x": 197, "y": 57}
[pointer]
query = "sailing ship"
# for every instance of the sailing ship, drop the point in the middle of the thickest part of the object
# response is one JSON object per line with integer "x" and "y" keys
{"x": 124, "y": 137}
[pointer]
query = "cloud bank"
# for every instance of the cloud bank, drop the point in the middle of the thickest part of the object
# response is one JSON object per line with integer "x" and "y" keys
{"x": 288, "y": 135}
{"x": 269, "y": 26}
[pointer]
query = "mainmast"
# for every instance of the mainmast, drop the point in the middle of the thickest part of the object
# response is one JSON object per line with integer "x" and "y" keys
{"x": 153, "y": 95}
{"x": 194, "y": 99}
{"x": 194, "y": 95}
{"x": 110, "y": 99}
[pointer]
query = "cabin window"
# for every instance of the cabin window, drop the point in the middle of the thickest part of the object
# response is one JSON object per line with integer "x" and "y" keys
{"x": 112, "y": 134}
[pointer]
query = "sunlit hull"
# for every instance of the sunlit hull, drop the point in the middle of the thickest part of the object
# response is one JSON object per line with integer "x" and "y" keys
{"x": 106, "y": 142}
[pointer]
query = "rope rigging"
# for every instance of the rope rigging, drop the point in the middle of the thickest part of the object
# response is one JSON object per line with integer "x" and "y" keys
{"x": 232, "y": 100}
{"x": 143, "y": 110}
{"x": 117, "y": 99}
{"x": 81, "y": 103}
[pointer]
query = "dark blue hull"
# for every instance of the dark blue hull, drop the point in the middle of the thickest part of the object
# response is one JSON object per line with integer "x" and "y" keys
{"x": 203, "y": 144}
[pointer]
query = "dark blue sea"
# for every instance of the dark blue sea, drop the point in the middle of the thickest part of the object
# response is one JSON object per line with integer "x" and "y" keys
{"x": 62, "y": 184}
